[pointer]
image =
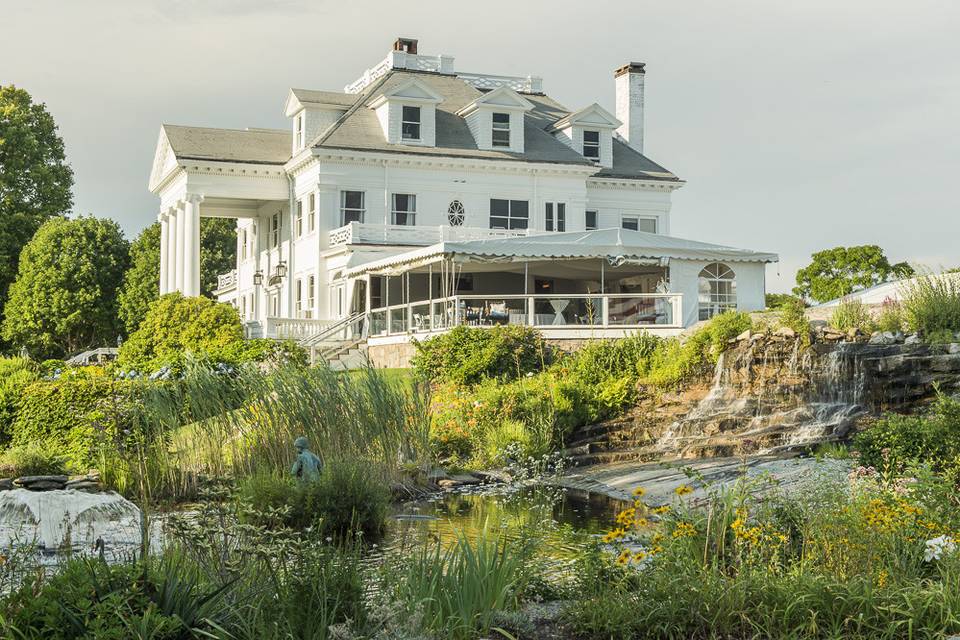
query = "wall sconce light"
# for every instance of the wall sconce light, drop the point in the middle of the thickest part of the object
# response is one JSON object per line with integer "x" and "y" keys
{"x": 258, "y": 278}
{"x": 281, "y": 269}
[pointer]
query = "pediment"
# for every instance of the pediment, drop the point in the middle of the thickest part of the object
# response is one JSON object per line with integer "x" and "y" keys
{"x": 164, "y": 161}
{"x": 501, "y": 98}
{"x": 413, "y": 90}
{"x": 591, "y": 116}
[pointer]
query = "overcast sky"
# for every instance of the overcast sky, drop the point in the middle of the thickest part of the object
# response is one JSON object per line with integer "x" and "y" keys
{"x": 798, "y": 126}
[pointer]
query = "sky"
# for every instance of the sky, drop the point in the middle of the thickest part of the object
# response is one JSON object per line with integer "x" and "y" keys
{"x": 798, "y": 126}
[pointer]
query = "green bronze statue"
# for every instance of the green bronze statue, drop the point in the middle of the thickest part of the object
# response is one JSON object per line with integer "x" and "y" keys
{"x": 307, "y": 466}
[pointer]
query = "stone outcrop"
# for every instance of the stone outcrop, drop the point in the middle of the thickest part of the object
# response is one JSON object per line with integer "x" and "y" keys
{"x": 772, "y": 394}
{"x": 88, "y": 482}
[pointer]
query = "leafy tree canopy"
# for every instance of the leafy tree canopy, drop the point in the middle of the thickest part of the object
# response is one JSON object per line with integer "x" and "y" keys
{"x": 175, "y": 325}
{"x": 840, "y": 271}
{"x": 64, "y": 299}
{"x": 35, "y": 180}
{"x": 141, "y": 284}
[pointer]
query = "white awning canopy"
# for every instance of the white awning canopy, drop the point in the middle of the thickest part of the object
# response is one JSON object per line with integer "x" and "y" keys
{"x": 618, "y": 246}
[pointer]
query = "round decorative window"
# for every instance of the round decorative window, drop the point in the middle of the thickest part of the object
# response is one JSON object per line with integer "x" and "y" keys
{"x": 456, "y": 214}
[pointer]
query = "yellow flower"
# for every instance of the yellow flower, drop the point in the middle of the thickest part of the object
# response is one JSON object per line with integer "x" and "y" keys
{"x": 623, "y": 558}
{"x": 684, "y": 530}
{"x": 882, "y": 578}
{"x": 661, "y": 509}
{"x": 639, "y": 492}
{"x": 683, "y": 490}
{"x": 639, "y": 556}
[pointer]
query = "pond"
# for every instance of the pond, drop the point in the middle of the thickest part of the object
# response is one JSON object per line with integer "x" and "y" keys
{"x": 562, "y": 520}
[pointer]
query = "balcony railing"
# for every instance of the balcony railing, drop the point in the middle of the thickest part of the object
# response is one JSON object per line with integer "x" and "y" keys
{"x": 360, "y": 233}
{"x": 227, "y": 280}
{"x": 581, "y": 311}
{"x": 294, "y": 328}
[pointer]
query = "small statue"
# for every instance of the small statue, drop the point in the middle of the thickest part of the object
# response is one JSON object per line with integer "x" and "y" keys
{"x": 307, "y": 465}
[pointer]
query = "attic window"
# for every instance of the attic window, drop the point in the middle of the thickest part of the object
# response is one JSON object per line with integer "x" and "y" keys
{"x": 300, "y": 133}
{"x": 500, "y": 136}
{"x": 410, "y": 123}
{"x": 591, "y": 145}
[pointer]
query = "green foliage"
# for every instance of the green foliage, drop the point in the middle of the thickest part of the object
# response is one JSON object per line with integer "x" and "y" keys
{"x": 676, "y": 362}
{"x": 455, "y": 593}
{"x": 35, "y": 180}
{"x": 466, "y": 355}
{"x": 778, "y": 300}
{"x": 834, "y": 273}
{"x": 852, "y": 314}
{"x": 602, "y": 360}
{"x": 891, "y": 317}
{"x": 175, "y": 325}
{"x": 64, "y": 299}
{"x": 931, "y": 305}
{"x": 76, "y": 415}
{"x": 264, "y": 350}
{"x": 33, "y": 459}
{"x": 792, "y": 315}
{"x": 16, "y": 374}
{"x": 898, "y": 441}
{"x": 835, "y": 559}
{"x": 141, "y": 283}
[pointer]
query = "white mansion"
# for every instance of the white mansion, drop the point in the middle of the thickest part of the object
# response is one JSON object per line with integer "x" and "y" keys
{"x": 421, "y": 197}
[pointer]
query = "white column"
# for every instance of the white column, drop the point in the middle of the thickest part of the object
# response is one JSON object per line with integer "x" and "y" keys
{"x": 178, "y": 252}
{"x": 164, "y": 257}
{"x": 191, "y": 246}
{"x": 172, "y": 265}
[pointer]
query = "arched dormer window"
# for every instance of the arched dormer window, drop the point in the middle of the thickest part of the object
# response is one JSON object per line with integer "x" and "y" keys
{"x": 717, "y": 290}
{"x": 456, "y": 214}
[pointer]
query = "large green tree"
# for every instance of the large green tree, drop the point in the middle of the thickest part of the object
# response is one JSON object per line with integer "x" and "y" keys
{"x": 840, "y": 271}
{"x": 64, "y": 298}
{"x": 141, "y": 285}
{"x": 35, "y": 180}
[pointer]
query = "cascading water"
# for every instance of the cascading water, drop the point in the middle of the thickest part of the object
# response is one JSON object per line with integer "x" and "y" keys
{"x": 68, "y": 520}
{"x": 770, "y": 394}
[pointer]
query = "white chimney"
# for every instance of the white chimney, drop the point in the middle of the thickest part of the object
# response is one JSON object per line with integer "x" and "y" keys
{"x": 629, "y": 83}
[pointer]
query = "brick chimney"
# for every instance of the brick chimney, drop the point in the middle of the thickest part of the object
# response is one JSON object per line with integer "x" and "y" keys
{"x": 629, "y": 86}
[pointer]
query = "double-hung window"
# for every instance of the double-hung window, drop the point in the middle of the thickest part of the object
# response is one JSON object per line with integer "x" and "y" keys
{"x": 299, "y": 298}
{"x": 351, "y": 207}
{"x": 556, "y": 216}
{"x": 243, "y": 244}
{"x": 311, "y": 296}
{"x": 509, "y": 214}
{"x": 298, "y": 221}
{"x": 312, "y": 213}
{"x": 591, "y": 145}
{"x": 590, "y": 220}
{"x": 301, "y": 141}
{"x": 500, "y": 135}
{"x": 404, "y": 209}
{"x": 410, "y": 123}
{"x": 275, "y": 230}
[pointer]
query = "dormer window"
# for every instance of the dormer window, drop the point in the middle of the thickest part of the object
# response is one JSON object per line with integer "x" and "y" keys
{"x": 591, "y": 145}
{"x": 410, "y": 125}
{"x": 300, "y": 131}
{"x": 500, "y": 135}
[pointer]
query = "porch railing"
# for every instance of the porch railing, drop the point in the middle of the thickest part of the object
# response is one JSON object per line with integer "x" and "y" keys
{"x": 362, "y": 233}
{"x": 294, "y": 328}
{"x": 581, "y": 311}
{"x": 227, "y": 280}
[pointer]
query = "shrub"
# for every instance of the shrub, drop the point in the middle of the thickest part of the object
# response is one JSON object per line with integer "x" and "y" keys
{"x": 16, "y": 374}
{"x": 175, "y": 325}
{"x": 34, "y": 459}
{"x": 466, "y": 355}
{"x": 931, "y": 305}
{"x": 600, "y": 360}
{"x": 898, "y": 441}
{"x": 891, "y": 317}
{"x": 852, "y": 314}
{"x": 263, "y": 350}
{"x": 779, "y": 300}
{"x": 792, "y": 315}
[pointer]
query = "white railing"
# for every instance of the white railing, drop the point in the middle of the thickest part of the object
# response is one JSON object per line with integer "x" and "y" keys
{"x": 294, "y": 328}
{"x": 360, "y": 233}
{"x": 524, "y": 84}
{"x": 575, "y": 311}
{"x": 227, "y": 280}
{"x": 400, "y": 60}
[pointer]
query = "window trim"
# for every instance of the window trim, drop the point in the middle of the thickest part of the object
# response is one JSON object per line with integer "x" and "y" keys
{"x": 361, "y": 212}
{"x": 404, "y": 121}
{"x": 591, "y": 145}
{"x": 500, "y": 127}
{"x": 714, "y": 275}
{"x": 510, "y": 217}
{"x": 311, "y": 295}
{"x": 637, "y": 219}
{"x": 300, "y": 130}
{"x": 411, "y": 214}
{"x": 276, "y": 224}
{"x": 298, "y": 219}
{"x": 596, "y": 219}
{"x": 555, "y": 214}
{"x": 312, "y": 213}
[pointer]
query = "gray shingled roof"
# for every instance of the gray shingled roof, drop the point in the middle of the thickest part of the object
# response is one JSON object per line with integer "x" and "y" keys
{"x": 324, "y": 97}
{"x": 257, "y": 146}
{"x": 359, "y": 129}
